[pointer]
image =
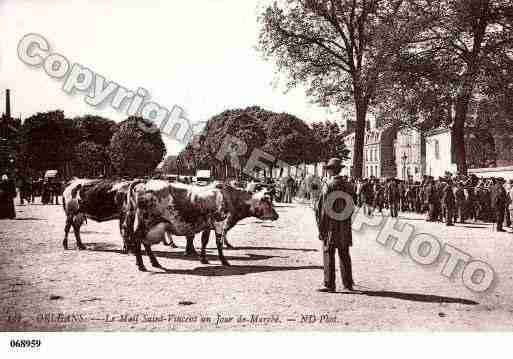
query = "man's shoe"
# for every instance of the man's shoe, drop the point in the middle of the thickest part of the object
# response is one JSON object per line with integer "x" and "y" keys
{"x": 326, "y": 290}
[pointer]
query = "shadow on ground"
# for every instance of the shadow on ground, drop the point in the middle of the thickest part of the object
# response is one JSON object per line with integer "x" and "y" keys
{"x": 221, "y": 271}
{"x": 111, "y": 248}
{"x": 412, "y": 219}
{"x": 479, "y": 227}
{"x": 414, "y": 297}
{"x": 272, "y": 249}
{"x": 91, "y": 232}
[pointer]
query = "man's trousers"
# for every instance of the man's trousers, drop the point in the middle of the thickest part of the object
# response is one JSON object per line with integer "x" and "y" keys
{"x": 329, "y": 265}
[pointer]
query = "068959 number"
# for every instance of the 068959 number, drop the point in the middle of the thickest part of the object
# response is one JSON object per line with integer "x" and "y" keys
{"x": 25, "y": 343}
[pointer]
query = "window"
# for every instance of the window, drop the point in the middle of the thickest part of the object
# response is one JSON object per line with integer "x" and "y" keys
{"x": 437, "y": 149}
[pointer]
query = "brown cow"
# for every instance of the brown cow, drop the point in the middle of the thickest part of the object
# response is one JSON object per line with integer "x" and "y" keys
{"x": 157, "y": 207}
{"x": 98, "y": 199}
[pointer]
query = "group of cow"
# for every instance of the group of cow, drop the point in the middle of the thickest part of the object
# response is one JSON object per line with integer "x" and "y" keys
{"x": 149, "y": 211}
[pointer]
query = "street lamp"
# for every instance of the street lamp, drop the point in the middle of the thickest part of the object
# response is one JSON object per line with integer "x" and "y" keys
{"x": 404, "y": 158}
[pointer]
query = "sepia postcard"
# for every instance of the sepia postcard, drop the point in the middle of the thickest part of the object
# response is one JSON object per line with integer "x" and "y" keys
{"x": 255, "y": 166}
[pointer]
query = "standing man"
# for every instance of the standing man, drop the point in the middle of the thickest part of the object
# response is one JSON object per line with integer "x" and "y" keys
{"x": 432, "y": 200}
{"x": 510, "y": 199}
{"x": 498, "y": 203}
{"x": 393, "y": 197}
{"x": 459, "y": 196}
{"x": 507, "y": 217}
{"x": 333, "y": 215}
{"x": 448, "y": 203}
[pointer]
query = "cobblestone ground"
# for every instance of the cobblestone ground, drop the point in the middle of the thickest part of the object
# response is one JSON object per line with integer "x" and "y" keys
{"x": 272, "y": 283}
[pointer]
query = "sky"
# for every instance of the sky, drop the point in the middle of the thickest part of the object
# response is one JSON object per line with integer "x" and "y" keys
{"x": 199, "y": 55}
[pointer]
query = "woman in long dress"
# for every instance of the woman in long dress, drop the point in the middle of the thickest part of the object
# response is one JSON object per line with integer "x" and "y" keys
{"x": 7, "y": 195}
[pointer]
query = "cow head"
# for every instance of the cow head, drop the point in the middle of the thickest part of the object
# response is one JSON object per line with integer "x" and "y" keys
{"x": 261, "y": 206}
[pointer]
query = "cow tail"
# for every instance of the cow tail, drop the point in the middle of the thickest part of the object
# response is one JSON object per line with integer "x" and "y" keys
{"x": 131, "y": 210}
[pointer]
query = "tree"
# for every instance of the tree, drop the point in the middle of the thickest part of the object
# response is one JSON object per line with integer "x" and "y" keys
{"x": 89, "y": 159}
{"x": 463, "y": 51}
{"x": 98, "y": 131}
{"x": 289, "y": 139}
{"x": 340, "y": 49}
{"x": 281, "y": 135}
{"x": 46, "y": 141}
{"x": 330, "y": 141}
{"x": 95, "y": 129}
{"x": 134, "y": 152}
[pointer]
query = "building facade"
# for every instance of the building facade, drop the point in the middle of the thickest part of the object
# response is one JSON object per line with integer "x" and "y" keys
{"x": 410, "y": 154}
{"x": 439, "y": 156}
{"x": 378, "y": 152}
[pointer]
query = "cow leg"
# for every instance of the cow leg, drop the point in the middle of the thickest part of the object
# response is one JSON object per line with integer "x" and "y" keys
{"x": 190, "y": 251}
{"x": 205, "y": 236}
{"x": 122, "y": 232}
{"x": 67, "y": 227}
{"x": 219, "y": 244}
{"x": 169, "y": 241}
{"x": 154, "y": 262}
{"x": 230, "y": 223}
{"x": 76, "y": 230}
{"x": 138, "y": 256}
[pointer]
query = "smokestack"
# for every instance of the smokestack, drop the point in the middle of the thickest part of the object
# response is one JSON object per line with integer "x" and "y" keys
{"x": 8, "y": 103}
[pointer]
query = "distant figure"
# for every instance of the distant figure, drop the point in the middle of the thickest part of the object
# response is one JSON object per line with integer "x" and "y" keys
{"x": 498, "y": 203}
{"x": 7, "y": 195}
{"x": 448, "y": 203}
{"x": 315, "y": 191}
{"x": 289, "y": 190}
{"x": 26, "y": 190}
{"x": 459, "y": 196}
{"x": 45, "y": 192}
{"x": 510, "y": 199}
{"x": 393, "y": 197}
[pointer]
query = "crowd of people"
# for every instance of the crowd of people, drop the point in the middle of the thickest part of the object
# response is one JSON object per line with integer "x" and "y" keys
{"x": 29, "y": 190}
{"x": 446, "y": 199}
{"x": 449, "y": 199}
{"x": 48, "y": 190}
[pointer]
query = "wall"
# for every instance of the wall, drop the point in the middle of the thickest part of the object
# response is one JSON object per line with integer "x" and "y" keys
{"x": 438, "y": 164}
{"x": 504, "y": 172}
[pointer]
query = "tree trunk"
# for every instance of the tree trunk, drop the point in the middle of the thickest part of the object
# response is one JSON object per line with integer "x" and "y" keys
{"x": 359, "y": 141}
{"x": 458, "y": 133}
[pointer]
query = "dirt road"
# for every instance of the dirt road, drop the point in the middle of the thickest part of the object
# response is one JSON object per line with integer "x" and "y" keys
{"x": 271, "y": 284}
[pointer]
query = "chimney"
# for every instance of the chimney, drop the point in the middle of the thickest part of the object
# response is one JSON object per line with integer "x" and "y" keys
{"x": 8, "y": 103}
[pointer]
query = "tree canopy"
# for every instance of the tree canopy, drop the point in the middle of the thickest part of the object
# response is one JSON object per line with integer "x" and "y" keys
{"x": 283, "y": 136}
{"x": 134, "y": 152}
{"x": 340, "y": 50}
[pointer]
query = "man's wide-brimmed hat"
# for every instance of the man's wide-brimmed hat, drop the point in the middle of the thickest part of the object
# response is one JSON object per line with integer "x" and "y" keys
{"x": 334, "y": 163}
